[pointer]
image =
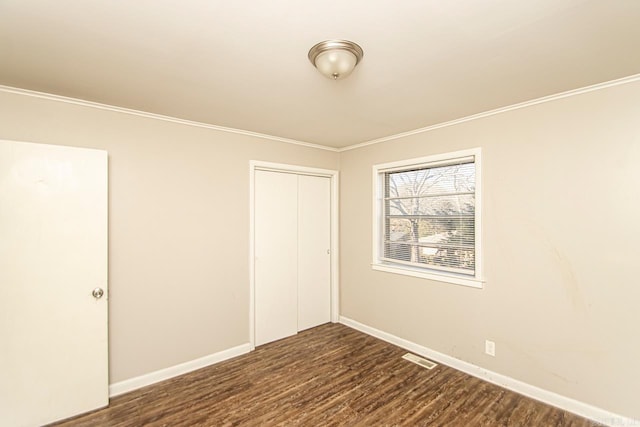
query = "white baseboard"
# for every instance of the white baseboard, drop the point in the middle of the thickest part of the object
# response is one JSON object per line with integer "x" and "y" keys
{"x": 173, "y": 371}
{"x": 571, "y": 405}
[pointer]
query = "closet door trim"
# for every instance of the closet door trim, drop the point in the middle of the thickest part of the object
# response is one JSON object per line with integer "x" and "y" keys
{"x": 298, "y": 170}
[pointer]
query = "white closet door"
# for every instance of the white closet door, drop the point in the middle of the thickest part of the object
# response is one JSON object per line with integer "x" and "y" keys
{"x": 276, "y": 253}
{"x": 53, "y": 253}
{"x": 314, "y": 260}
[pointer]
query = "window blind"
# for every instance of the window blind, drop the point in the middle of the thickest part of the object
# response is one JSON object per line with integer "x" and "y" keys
{"x": 429, "y": 216}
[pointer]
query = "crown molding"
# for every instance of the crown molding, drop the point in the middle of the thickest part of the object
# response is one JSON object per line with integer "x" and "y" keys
{"x": 129, "y": 111}
{"x": 525, "y": 104}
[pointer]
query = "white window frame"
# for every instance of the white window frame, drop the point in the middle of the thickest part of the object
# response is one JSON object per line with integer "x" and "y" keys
{"x": 476, "y": 280}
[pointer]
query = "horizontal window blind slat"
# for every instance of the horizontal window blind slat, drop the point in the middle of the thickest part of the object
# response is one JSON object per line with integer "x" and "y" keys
{"x": 423, "y": 196}
{"x": 431, "y": 165}
{"x": 431, "y": 245}
{"x": 467, "y": 272}
{"x": 456, "y": 216}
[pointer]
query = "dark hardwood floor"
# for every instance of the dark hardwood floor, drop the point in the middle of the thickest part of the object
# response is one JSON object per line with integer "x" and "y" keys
{"x": 331, "y": 375}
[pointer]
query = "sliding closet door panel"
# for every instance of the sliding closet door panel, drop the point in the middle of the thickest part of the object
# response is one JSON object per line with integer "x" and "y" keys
{"x": 276, "y": 252}
{"x": 314, "y": 259}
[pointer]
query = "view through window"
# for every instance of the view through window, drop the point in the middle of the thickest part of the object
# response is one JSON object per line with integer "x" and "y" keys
{"x": 427, "y": 215}
{"x": 430, "y": 217}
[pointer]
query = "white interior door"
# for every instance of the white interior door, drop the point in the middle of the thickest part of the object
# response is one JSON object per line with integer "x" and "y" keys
{"x": 314, "y": 259}
{"x": 53, "y": 253}
{"x": 276, "y": 252}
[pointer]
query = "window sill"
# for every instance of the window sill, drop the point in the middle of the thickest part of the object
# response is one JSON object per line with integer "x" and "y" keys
{"x": 423, "y": 274}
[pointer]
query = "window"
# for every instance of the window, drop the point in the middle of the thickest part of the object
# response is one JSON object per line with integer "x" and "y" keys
{"x": 428, "y": 217}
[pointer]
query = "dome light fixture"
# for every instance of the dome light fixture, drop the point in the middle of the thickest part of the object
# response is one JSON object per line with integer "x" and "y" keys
{"x": 335, "y": 59}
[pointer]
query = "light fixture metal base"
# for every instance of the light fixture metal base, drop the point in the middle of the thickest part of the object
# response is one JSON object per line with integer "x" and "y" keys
{"x": 328, "y": 46}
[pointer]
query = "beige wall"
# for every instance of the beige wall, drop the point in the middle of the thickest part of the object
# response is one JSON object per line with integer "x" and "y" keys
{"x": 178, "y": 225}
{"x": 561, "y": 231}
{"x": 561, "y": 202}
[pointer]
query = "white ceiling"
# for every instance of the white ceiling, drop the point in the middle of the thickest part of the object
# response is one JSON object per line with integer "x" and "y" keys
{"x": 243, "y": 64}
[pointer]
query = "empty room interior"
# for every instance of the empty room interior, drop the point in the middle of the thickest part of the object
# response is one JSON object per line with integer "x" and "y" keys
{"x": 250, "y": 212}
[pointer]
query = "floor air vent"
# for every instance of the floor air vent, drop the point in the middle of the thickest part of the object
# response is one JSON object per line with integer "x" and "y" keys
{"x": 420, "y": 361}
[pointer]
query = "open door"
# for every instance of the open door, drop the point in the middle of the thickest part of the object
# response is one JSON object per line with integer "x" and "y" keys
{"x": 53, "y": 282}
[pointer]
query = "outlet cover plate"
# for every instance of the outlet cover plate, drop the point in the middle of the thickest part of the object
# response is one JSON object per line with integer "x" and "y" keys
{"x": 490, "y": 347}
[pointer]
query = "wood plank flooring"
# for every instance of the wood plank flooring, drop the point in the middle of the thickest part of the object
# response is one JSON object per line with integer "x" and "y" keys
{"x": 331, "y": 375}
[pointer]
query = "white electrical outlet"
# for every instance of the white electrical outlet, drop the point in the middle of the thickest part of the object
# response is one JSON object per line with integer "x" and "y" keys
{"x": 490, "y": 347}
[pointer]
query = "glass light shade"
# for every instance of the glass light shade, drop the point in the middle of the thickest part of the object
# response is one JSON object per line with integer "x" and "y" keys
{"x": 335, "y": 59}
{"x": 336, "y": 63}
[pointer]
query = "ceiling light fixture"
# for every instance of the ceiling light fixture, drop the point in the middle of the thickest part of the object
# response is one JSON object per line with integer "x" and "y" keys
{"x": 335, "y": 59}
